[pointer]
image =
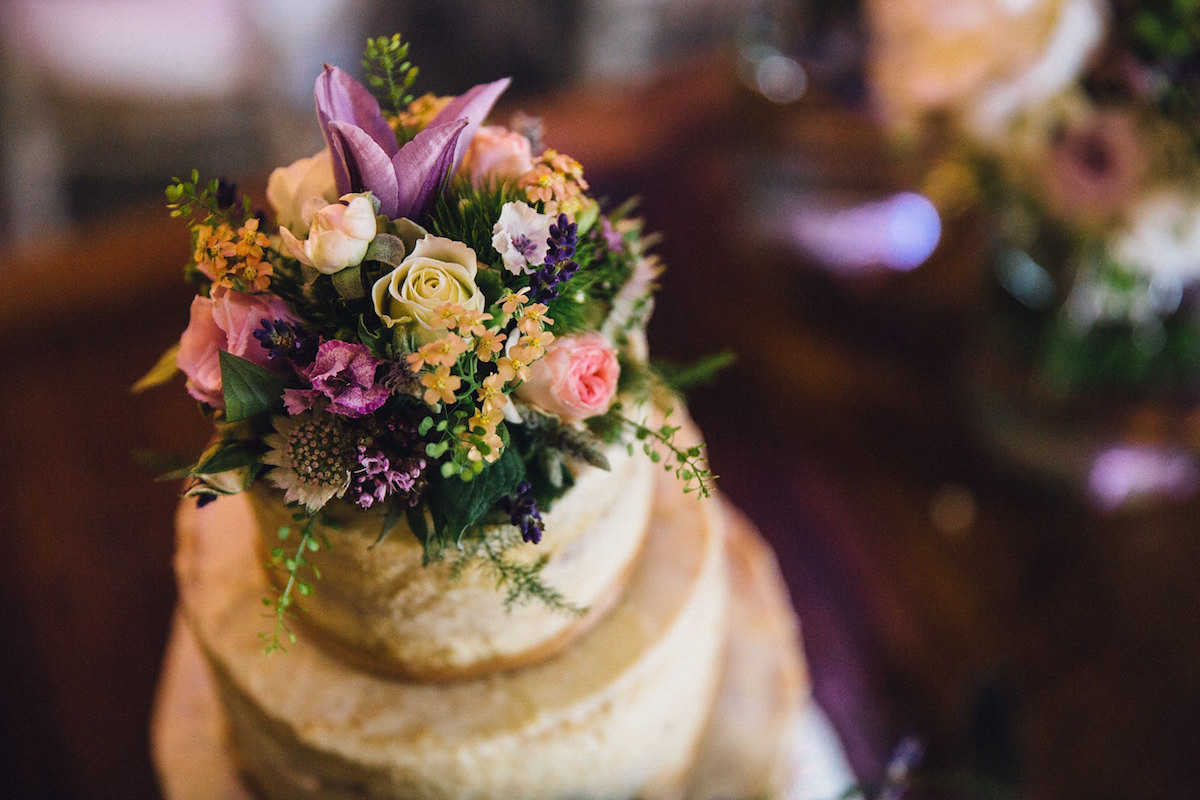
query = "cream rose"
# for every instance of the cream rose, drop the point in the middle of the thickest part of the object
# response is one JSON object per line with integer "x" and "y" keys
{"x": 437, "y": 272}
{"x": 496, "y": 152}
{"x": 339, "y": 237}
{"x": 305, "y": 183}
{"x": 576, "y": 379}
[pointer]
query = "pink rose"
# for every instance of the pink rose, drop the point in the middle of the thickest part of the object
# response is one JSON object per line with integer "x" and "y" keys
{"x": 576, "y": 379}
{"x": 225, "y": 321}
{"x": 496, "y": 152}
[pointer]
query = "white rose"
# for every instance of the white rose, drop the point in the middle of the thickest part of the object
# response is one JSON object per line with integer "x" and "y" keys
{"x": 437, "y": 272}
{"x": 339, "y": 235}
{"x": 305, "y": 182}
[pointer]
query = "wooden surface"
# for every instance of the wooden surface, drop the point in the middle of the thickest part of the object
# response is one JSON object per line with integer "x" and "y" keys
{"x": 1047, "y": 647}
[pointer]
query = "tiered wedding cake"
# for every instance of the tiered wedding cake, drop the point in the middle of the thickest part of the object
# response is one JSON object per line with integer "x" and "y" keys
{"x": 437, "y": 429}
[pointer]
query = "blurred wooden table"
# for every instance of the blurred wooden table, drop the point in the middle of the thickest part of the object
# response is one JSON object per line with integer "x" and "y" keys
{"x": 1044, "y": 645}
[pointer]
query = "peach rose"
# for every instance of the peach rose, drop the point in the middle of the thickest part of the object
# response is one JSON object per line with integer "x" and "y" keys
{"x": 576, "y": 379}
{"x": 496, "y": 152}
{"x": 225, "y": 321}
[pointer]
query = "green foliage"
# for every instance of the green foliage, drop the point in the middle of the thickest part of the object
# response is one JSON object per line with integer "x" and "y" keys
{"x": 583, "y": 302}
{"x": 457, "y": 504}
{"x": 681, "y": 377}
{"x": 689, "y": 464}
{"x": 521, "y": 581}
{"x": 389, "y": 73}
{"x": 163, "y": 370}
{"x": 200, "y": 203}
{"x": 545, "y": 444}
{"x": 229, "y": 454}
{"x": 248, "y": 388}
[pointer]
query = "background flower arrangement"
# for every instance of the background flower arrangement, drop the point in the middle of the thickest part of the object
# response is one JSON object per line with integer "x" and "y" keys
{"x": 432, "y": 323}
{"x": 1074, "y": 123}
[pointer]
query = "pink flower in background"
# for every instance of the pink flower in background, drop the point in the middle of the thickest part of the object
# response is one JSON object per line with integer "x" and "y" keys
{"x": 1095, "y": 168}
{"x": 343, "y": 373}
{"x": 496, "y": 152}
{"x": 225, "y": 321}
{"x": 576, "y": 379}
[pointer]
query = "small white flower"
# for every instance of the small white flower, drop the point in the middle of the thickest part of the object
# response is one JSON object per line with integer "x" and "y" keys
{"x": 521, "y": 236}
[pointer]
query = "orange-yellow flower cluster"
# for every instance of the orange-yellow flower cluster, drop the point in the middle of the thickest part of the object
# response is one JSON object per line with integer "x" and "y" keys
{"x": 557, "y": 181}
{"x": 420, "y": 113}
{"x": 466, "y": 332}
{"x": 234, "y": 259}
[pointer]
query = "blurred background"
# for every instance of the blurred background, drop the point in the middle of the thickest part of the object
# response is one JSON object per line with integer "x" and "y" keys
{"x": 1012, "y": 590}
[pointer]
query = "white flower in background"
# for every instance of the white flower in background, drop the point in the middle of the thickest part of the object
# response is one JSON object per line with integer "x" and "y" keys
{"x": 305, "y": 185}
{"x": 983, "y": 61}
{"x": 521, "y": 237}
{"x": 339, "y": 235}
{"x": 1162, "y": 238}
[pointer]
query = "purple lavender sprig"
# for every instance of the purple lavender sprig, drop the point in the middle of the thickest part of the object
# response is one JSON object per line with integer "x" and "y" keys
{"x": 523, "y": 513}
{"x": 558, "y": 267}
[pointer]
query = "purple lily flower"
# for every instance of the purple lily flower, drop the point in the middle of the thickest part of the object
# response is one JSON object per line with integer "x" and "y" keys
{"x": 366, "y": 156}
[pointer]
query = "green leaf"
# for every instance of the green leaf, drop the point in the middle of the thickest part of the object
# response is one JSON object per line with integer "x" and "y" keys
{"x": 227, "y": 455}
{"x": 458, "y": 504}
{"x": 163, "y": 370}
{"x": 394, "y": 513}
{"x": 704, "y": 370}
{"x": 348, "y": 282}
{"x": 248, "y": 388}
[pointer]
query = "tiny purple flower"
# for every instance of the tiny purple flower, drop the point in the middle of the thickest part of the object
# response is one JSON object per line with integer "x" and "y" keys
{"x": 614, "y": 242}
{"x": 388, "y": 466}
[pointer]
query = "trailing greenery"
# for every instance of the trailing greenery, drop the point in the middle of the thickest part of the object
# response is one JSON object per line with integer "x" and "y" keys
{"x": 521, "y": 582}
{"x": 294, "y": 566}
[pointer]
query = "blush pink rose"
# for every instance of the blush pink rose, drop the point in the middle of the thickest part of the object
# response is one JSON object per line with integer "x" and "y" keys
{"x": 225, "y": 321}
{"x": 576, "y": 379}
{"x": 497, "y": 153}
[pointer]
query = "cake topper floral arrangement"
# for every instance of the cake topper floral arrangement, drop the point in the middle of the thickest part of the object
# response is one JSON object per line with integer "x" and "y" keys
{"x": 431, "y": 322}
{"x": 1077, "y": 124}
